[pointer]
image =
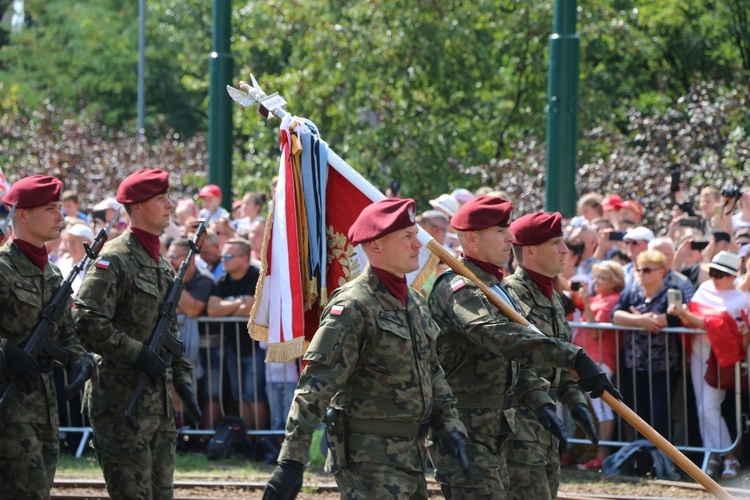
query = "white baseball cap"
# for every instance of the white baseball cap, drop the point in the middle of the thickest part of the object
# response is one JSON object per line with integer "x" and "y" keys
{"x": 82, "y": 231}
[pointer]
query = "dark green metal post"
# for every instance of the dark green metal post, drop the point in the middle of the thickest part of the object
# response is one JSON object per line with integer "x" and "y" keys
{"x": 562, "y": 110}
{"x": 220, "y": 66}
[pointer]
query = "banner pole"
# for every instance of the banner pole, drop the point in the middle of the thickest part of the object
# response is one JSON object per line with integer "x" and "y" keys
{"x": 274, "y": 105}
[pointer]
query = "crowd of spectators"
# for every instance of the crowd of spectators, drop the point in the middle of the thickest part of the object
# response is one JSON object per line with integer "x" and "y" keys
{"x": 618, "y": 270}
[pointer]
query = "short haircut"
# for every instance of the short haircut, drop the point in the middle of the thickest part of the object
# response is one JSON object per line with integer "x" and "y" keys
{"x": 70, "y": 195}
{"x": 593, "y": 200}
{"x": 183, "y": 243}
{"x": 242, "y": 244}
{"x": 604, "y": 221}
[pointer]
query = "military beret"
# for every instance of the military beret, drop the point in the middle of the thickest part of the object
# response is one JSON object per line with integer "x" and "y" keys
{"x": 34, "y": 191}
{"x": 483, "y": 212}
{"x": 142, "y": 185}
{"x": 381, "y": 218}
{"x": 537, "y": 228}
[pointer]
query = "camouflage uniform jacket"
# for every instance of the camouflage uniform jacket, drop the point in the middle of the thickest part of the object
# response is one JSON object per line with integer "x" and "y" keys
{"x": 476, "y": 346}
{"x": 376, "y": 358}
{"x": 549, "y": 317}
{"x": 118, "y": 306}
{"x": 24, "y": 291}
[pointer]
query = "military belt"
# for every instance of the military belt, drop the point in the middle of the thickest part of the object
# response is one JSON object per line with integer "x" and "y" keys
{"x": 479, "y": 401}
{"x": 388, "y": 428}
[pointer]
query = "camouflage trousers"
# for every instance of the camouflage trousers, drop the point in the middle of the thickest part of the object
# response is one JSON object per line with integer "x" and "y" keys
{"x": 136, "y": 465}
{"x": 28, "y": 461}
{"x": 489, "y": 472}
{"x": 366, "y": 480}
{"x": 534, "y": 470}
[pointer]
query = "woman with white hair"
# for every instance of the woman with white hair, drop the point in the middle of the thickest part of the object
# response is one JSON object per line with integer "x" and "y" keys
{"x": 713, "y": 297}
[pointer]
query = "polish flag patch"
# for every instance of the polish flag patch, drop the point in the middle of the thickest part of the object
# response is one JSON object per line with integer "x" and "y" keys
{"x": 336, "y": 310}
{"x": 458, "y": 285}
{"x": 102, "y": 264}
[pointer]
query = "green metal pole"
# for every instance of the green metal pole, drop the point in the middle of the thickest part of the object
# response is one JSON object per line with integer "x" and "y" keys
{"x": 562, "y": 110}
{"x": 220, "y": 66}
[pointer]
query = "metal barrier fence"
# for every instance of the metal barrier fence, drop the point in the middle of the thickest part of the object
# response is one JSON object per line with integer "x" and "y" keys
{"x": 683, "y": 429}
{"x": 220, "y": 348}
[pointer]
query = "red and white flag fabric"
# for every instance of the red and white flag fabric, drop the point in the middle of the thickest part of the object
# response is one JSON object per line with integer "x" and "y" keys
{"x": 306, "y": 254}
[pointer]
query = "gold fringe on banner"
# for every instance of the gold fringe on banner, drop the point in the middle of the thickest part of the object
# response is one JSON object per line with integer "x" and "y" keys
{"x": 260, "y": 332}
{"x": 429, "y": 268}
{"x": 287, "y": 351}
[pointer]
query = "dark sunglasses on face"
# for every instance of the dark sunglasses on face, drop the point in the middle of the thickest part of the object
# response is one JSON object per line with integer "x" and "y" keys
{"x": 227, "y": 256}
{"x": 715, "y": 273}
{"x": 645, "y": 270}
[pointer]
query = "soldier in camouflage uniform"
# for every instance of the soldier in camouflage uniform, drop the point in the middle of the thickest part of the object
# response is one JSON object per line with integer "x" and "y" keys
{"x": 373, "y": 361}
{"x": 533, "y": 452}
{"x": 476, "y": 347}
{"x": 29, "y": 442}
{"x": 118, "y": 307}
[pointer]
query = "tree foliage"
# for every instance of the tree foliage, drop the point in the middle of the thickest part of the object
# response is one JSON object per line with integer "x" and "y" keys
{"x": 433, "y": 95}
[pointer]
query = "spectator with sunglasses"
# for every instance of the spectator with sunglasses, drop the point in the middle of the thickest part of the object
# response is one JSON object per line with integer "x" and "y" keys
{"x": 645, "y": 305}
{"x": 712, "y": 298}
{"x": 234, "y": 295}
{"x": 636, "y": 241}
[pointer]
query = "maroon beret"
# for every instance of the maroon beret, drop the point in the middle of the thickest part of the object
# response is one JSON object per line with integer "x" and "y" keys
{"x": 34, "y": 191}
{"x": 483, "y": 212}
{"x": 142, "y": 185}
{"x": 537, "y": 228}
{"x": 381, "y": 218}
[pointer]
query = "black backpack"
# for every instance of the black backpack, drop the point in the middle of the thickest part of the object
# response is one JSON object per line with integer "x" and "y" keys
{"x": 228, "y": 439}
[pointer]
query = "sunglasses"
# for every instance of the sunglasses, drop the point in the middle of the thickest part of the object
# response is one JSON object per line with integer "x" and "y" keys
{"x": 645, "y": 270}
{"x": 634, "y": 242}
{"x": 715, "y": 273}
{"x": 228, "y": 256}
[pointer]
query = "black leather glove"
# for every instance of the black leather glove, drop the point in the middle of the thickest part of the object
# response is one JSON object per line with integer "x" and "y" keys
{"x": 592, "y": 379}
{"x": 582, "y": 415}
{"x": 79, "y": 373}
{"x": 151, "y": 363}
{"x": 188, "y": 398}
{"x": 285, "y": 482}
{"x": 548, "y": 418}
{"x": 22, "y": 365}
{"x": 455, "y": 443}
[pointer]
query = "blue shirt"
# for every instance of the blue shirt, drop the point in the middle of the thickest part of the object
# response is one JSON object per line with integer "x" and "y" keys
{"x": 663, "y": 348}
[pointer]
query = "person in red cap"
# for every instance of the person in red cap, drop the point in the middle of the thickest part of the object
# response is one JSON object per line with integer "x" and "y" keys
{"x": 481, "y": 351}
{"x": 373, "y": 373}
{"x": 533, "y": 456}
{"x": 27, "y": 283}
{"x": 118, "y": 307}
{"x": 211, "y": 195}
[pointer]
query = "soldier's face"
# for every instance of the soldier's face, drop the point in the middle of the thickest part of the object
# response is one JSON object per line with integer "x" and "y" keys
{"x": 494, "y": 245}
{"x": 41, "y": 224}
{"x": 153, "y": 214}
{"x": 550, "y": 257}
{"x": 398, "y": 252}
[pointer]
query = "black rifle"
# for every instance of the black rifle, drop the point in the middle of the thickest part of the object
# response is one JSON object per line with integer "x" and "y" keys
{"x": 40, "y": 340}
{"x": 161, "y": 339}
{"x": 6, "y": 223}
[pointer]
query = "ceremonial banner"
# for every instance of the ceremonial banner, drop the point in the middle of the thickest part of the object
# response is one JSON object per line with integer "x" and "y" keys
{"x": 306, "y": 254}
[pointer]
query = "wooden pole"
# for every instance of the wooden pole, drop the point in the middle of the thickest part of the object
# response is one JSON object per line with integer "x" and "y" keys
{"x": 623, "y": 410}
